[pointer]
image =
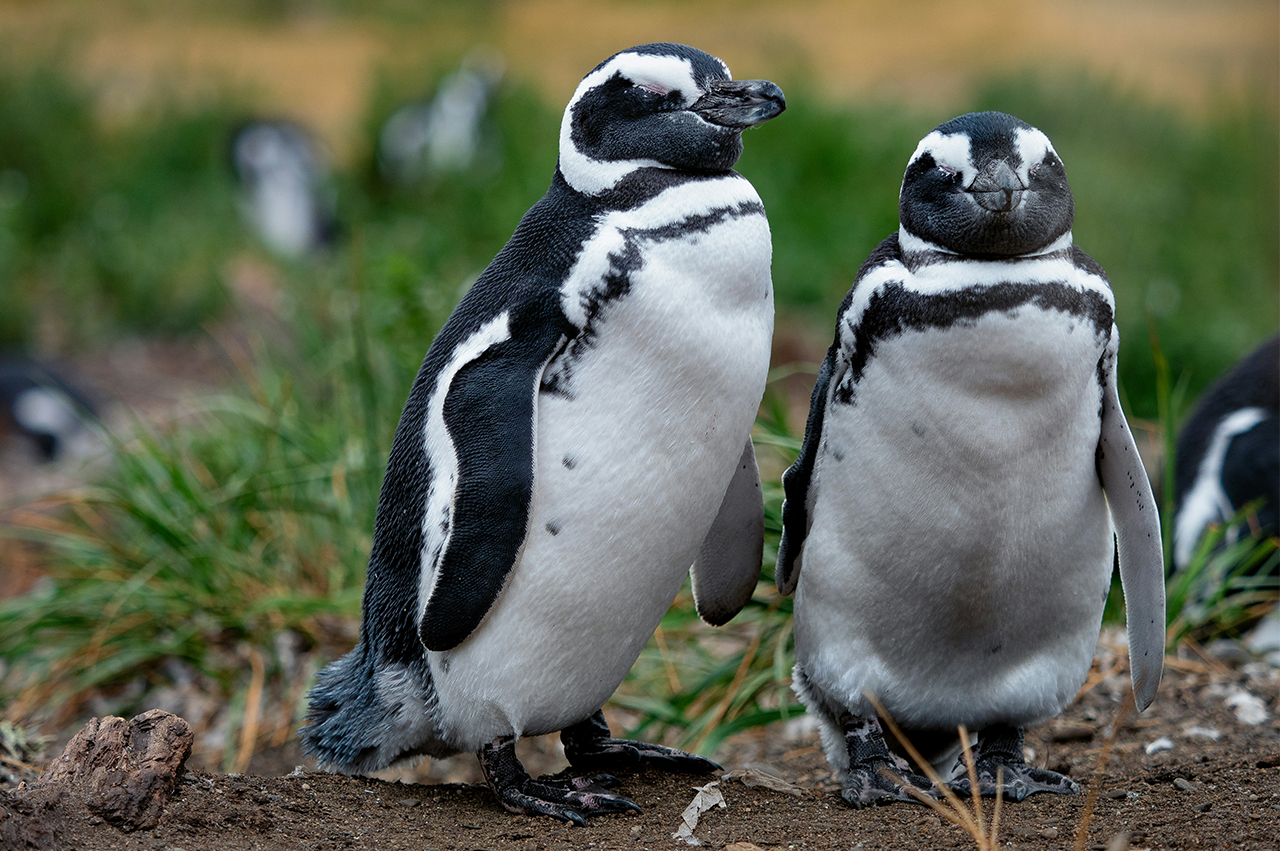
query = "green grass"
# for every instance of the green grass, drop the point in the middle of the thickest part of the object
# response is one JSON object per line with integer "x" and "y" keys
{"x": 253, "y": 516}
{"x": 108, "y": 232}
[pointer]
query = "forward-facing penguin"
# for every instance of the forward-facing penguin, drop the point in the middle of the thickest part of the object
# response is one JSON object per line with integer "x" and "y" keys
{"x": 286, "y": 197}
{"x": 577, "y": 437}
{"x": 1229, "y": 453}
{"x": 950, "y": 525}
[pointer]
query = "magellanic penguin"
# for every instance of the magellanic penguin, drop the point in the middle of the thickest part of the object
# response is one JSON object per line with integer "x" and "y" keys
{"x": 1229, "y": 454}
{"x": 445, "y": 134}
{"x": 45, "y": 407}
{"x": 577, "y": 437}
{"x": 950, "y": 525}
{"x": 286, "y": 196}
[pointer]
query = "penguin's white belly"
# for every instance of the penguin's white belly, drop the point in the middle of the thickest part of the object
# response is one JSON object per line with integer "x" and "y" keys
{"x": 632, "y": 462}
{"x": 961, "y": 546}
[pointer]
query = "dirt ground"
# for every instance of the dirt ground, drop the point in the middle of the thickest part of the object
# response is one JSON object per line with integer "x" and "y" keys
{"x": 1216, "y": 785}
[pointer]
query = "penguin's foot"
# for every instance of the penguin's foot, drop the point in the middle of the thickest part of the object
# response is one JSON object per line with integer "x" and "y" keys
{"x": 587, "y": 746}
{"x": 1000, "y": 747}
{"x": 875, "y": 776}
{"x": 571, "y": 799}
{"x": 872, "y": 785}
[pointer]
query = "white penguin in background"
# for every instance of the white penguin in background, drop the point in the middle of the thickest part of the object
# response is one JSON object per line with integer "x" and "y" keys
{"x": 285, "y": 193}
{"x": 443, "y": 135}
{"x": 577, "y": 437}
{"x": 951, "y": 524}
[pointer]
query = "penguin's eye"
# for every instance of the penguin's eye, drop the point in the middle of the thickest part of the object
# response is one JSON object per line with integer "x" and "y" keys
{"x": 1050, "y": 162}
{"x": 947, "y": 171}
{"x": 652, "y": 87}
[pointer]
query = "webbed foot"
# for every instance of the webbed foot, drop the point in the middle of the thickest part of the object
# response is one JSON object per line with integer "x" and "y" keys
{"x": 875, "y": 776}
{"x": 1000, "y": 747}
{"x": 587, "y": 746}
{"x": 572, "y": 799}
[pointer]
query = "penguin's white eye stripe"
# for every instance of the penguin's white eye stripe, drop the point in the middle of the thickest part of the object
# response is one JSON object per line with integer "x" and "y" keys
{"x": 949, "y": 150}
{"x": 1033, "y": 147}
{"x": 667, "y": 72}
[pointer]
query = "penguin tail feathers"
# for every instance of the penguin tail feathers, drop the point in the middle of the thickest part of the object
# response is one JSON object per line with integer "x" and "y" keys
{"x": 363, "y": 717}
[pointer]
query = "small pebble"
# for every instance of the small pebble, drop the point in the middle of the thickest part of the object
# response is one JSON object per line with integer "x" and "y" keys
{"x": 1229, "y": 652}
{"x": 1205, "y": 807}
{"x": 1202, "y": 733}
{"x": 1185, "y": 785}
{"x": 1249, "y": 708}
{"x": 1116, "y": 794}
{"x": 1049, "y": 832}
{"x": 306, "y": 787}
{"x": 408, "y": 802}
{"x": 1164, "y": 743}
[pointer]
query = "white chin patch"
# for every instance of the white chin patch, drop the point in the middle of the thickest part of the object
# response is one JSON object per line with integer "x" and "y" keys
{"x": 656, "y": 73}
{"x": 1032, "y": 146}
{"x": 949, "y": 149}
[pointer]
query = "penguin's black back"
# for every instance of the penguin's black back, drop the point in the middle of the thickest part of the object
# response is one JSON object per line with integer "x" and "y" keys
{"x": 1253, "y": 383}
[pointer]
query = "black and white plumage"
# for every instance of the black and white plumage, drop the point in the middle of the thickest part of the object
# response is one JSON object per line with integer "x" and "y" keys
{"x": 948, "y": 526}
{"x": 286, "y": 195}
{"x": 1229, "y": 453}
{"x": 577, "y": 437}
{"x": 44, "y": 407}
{"x": 444, "y": 134}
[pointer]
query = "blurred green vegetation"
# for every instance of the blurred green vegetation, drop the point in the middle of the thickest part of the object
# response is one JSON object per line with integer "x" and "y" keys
{"x": 253, "y": 516}
{"x": 106, "y": 232}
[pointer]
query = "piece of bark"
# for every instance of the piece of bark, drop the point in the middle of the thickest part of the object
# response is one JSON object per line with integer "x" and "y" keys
{"x": 126, "y": 770}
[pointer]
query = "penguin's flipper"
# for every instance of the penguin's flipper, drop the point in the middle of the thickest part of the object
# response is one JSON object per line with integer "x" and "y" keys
{"x": 797, "y": 481}
{"x": 1137, "y": 526}
{"x": 490, "y": 410}
{"x": 728, "y": 564}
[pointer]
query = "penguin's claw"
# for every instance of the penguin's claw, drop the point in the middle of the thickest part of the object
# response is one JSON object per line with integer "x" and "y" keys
{"x": 588, "y": 747}
{"x": 1019, "y": 781}
{"x": 623, "y": 753}
{"x": 571, "y": 800}
{"x": 869, "y": 786}
{"x": 1000, "y": 748}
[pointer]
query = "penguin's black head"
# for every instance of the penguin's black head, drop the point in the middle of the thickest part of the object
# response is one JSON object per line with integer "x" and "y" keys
{"x": 659, "y": 106}
{"x": 987, "y": 184}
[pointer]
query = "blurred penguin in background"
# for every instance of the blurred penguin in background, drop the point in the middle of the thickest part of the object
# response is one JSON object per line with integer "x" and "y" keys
{"x": 286, "y": 194}
{"x": 44, "y": 407}
{"x": 1229, "y": 455}
{"x": 446, "y": 135}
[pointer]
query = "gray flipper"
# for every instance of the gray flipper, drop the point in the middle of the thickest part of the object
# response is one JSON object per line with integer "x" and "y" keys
{"x": 490, "y": 412}
{"x": 1137, "y": 525}
{"x": 728, "y": 564}
{"x": 797, "y": 481}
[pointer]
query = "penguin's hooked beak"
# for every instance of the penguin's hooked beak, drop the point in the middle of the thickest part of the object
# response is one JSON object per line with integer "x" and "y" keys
{"x": 740, "y": 104}
{"x": 997, "y": 188}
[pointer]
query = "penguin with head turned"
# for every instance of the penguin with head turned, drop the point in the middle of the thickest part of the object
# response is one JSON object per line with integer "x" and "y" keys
{"x": 1228, "y": 455}
{"x": 967, "y": 476}
{"x": 577, "y": 437}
